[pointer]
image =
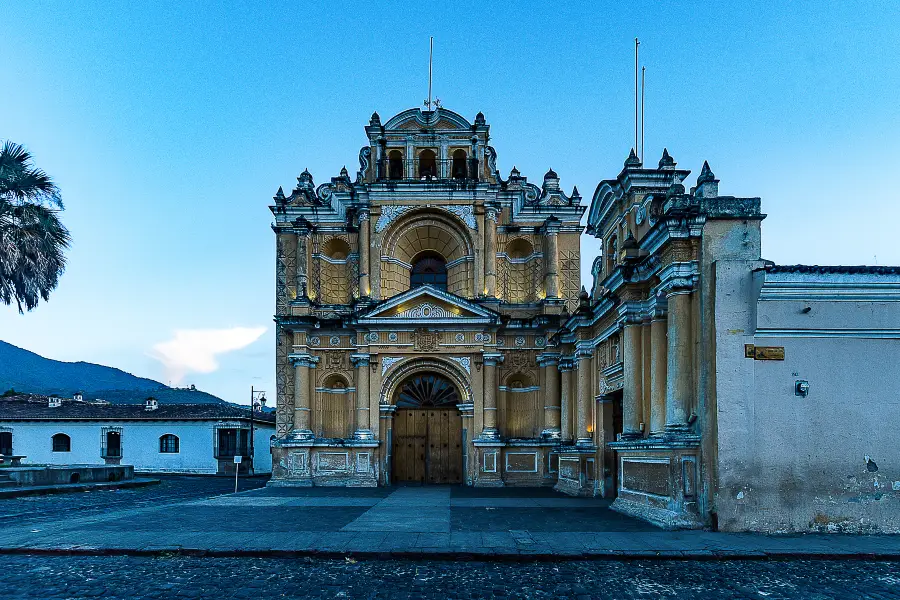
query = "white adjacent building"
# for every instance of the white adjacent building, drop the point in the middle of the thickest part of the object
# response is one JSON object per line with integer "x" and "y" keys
{"x": 155, "y": 438}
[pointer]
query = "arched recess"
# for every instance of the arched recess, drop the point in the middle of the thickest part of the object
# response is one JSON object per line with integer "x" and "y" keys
{"x": 521, "y": 411}
{"x": 333, "y": 410}
{"x": 402, "y": 371}
{"x": 335, "y": 279}
{"x": 427, "y": 231}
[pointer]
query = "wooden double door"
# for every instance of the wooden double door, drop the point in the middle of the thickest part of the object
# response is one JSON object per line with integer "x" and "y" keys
{"x": 427, "y": 445}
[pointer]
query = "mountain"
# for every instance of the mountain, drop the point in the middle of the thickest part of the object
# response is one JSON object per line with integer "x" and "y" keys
{"x": 26, "y": 371}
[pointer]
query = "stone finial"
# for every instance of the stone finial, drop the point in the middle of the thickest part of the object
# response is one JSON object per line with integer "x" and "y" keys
{"x": 575, "y": 195}
{"x": 632, "y": 160}
{"x": 666, "y": 162}
{"x": 706, "y": 174}
{"x": 551, "y": 181}
{"x": 584, "y": 299}
{"x": 305, "y": 181}
{"x": 514, "y": 173}
{"x": 375, "y": 121}
{"x": 279, "y": 195}
{"x": 707, "y": 184}
{"x": 479, "y": 118}
{"x": 344, "y": 172}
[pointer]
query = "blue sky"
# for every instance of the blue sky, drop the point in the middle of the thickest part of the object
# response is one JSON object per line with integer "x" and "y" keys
{"x": 169, "y": 126}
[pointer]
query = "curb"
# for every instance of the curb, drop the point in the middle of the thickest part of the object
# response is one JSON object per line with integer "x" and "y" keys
{"x": 471, "y": 555}
{"x": 42, "y": 490}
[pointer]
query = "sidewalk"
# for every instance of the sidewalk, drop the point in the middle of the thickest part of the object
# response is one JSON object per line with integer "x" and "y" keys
{"x": 411, "y": 522}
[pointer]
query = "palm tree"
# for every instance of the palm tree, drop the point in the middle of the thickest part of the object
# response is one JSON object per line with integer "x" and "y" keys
{"x": 32, "y": 238}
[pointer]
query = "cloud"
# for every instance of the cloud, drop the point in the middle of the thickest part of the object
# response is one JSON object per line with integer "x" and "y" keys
{"x": 195, "y": 350}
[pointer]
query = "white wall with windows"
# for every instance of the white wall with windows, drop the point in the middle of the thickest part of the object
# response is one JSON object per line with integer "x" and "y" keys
{"x": 139, "y": 444}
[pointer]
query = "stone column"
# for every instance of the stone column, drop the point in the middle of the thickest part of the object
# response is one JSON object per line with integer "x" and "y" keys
{"x": 490, "y": 431}
{"x": 679, "y": 368}
{"x": 490, "y": 251}
{"x": 658, "y": 376}
{"x": 646, "y": 366}
{"x": 551, "y": 264}
{"x": 363, "y": 428}
{"x": 550, "y": 365}
{"x": 565, "y": 400}
{"x": 632, "y": 394}
{"x": 302, "y": 264}
{"x": 584, "y": 398}
{"x": 365, "y": 288}
{"x": 302, "y": 364}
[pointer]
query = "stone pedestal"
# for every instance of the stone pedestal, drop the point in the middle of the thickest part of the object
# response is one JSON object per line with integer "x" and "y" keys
{"x": 658, "y": 481}
{"x": 577, "y": 470}
{"x": 488, "y": 468}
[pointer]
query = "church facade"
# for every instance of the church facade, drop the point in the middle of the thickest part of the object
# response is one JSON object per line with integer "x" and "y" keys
{"x": 432, "y": 328}
{"x": 416, "y": 303}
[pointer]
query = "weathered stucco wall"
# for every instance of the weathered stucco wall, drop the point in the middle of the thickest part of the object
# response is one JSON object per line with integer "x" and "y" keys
{"x": 828, "y": 461}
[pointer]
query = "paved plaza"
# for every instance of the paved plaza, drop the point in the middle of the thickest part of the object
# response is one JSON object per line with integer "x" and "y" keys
{"x": 199, "y": 516}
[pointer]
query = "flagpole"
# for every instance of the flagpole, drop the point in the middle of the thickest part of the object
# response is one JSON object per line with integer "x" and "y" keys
{"x": 643, "y": 88}
{"x": 430, "y": 59}
{"x": 636, "y": 44}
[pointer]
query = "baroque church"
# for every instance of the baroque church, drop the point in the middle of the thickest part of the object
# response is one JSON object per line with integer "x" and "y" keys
{"x": 432, "y": 328}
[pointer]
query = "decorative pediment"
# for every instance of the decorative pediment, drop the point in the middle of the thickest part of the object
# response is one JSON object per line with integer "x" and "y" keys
{"x": 427, "y": 305}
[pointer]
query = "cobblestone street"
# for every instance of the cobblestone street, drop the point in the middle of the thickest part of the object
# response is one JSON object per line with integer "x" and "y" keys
{"x": 186, "y": 577}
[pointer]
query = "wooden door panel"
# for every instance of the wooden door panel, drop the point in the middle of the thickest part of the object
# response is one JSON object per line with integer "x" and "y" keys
{"x": 427, "y": 446}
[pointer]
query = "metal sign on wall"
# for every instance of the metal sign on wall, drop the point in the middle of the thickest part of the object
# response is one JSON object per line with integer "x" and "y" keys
{"x": 763, "y": 352}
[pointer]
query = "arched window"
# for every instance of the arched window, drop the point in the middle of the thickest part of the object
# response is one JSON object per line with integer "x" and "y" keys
{"x": 429, "y": 268}
{"x": 427, "y": 164}
{"x": 458, "y": 169}
{"x": 395, "y": 164}
{"x": 168, "y": 444}
{"x": 62, "y": 443}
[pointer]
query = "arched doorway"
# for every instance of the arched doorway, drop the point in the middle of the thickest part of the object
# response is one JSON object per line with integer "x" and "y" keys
{"x": 427, "y": 431}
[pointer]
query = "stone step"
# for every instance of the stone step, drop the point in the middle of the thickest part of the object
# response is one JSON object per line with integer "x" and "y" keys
{"x": 7, "y": 483}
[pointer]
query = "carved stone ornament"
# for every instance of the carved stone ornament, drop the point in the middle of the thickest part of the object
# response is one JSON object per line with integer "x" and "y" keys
{"x": 425, "y": 340}
{"x": 464, "y": 361}
{"x": 389, "y": 361}
{"x": 519, "y": 360}
{"x": 426, "y": 310}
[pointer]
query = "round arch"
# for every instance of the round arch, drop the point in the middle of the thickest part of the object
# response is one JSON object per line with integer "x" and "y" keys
{"x": 398, "y": 373}
{"x": 457, "y": 242}
{"x": 421, "y": 231}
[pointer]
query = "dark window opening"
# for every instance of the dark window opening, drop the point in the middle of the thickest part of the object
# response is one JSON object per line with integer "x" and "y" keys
{"x": 232, "y": 442}
{"x": 113, "y": 447}
{"x": 427, "y": 164}
{"x": 6, "y": 443}
{"x": 168, "y": 444}
{"x": 459, "y": 165}
{"x": 395, "y": 164}
{"x": 62, "y": 443}
{"x": 429, "y": 268}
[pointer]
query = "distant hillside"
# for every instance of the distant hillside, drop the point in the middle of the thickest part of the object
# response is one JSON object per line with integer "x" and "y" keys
{"x": 26, "y": 371}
